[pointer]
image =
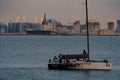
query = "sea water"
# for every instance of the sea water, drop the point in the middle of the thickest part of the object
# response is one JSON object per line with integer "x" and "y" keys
{"x": 26, "y": 57}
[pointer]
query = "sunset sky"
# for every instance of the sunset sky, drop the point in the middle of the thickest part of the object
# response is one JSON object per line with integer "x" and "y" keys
{"x": 64, "y": 11}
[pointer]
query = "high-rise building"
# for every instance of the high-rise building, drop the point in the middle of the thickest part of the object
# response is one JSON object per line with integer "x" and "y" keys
{"x": 19, "y": 27}
{"x": 3, "y": 28}
{"x": 14, "y": 27}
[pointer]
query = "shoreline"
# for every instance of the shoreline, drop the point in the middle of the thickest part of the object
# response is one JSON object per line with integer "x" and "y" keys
{"x": 17, "y": 34}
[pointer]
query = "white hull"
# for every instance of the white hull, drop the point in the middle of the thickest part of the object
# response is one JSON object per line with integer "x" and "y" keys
{"x": 92, "y": 66}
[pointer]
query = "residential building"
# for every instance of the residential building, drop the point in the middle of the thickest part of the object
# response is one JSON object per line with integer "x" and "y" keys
{"x": 76, "y": 28}
{"x": 106, "y": 32}
{"x": 111, "y": 26}
{"x": 94, "y": 28}
{"x": 118, "y": 26}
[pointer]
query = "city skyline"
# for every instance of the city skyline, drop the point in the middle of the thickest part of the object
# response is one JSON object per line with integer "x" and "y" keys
{"x": 64, "y": 11}
{"x": 53, "y": 27}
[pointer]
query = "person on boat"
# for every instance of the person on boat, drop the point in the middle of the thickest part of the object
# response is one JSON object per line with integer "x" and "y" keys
{"x": 84, "y": 52}
{"x": 55, "y": 59}
{"x": 60, "y": 58}
{"x": 84, "y": 55}
{"x": 49, "y": 60}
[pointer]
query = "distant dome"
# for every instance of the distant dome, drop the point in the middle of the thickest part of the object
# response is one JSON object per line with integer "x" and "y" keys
{"x": 52, "y": 21}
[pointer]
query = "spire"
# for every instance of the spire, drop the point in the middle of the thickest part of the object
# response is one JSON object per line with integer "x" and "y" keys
{"x": 44, "y": 22}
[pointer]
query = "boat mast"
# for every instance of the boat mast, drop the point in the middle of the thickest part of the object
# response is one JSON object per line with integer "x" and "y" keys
{"x": 87, "y": 27}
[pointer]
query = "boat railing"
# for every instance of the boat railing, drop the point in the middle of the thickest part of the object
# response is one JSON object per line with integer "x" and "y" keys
{"x": 68, "y": 58}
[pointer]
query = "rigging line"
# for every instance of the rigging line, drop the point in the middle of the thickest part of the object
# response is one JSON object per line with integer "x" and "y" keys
{"x": 66, "y": 11}
{"x": 83, "y": 11}
{"x": 70, "y": 11}
{"x": 85, "y": 21}
{"x": 93, "y": 10}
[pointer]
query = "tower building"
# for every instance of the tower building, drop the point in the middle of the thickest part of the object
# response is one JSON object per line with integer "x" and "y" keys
{"x": 44, "y": 22}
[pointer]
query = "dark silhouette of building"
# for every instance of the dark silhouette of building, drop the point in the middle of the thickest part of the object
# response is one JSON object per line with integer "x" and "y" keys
{"x": 41, "y": 32}
{"x": 3, "y": 28}
{"x": 118, "y": 26}
{"x": 44, "y": 22}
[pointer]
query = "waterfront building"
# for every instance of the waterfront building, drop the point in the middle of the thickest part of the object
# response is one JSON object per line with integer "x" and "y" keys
{"x": 20, "y": 27}
{"x": 107, "y": 32}
{"x": 31, "y": 26}
{"x": 76, "y": 28}
{"x": 70, "y": 28}
{"x": 111, "y": 26}
{"x": 50, "y": 24}
{"x": 59, "y": 27}
{"x": 44, "y": 22}
{"x": 76, "y": 22}
{"x": 64, "y": 29}
{"x": 3, "y": 28}
{"x": 90, "y": 26}
{"x": 83, "y": 29}
{"x": 14, "y": 27}
{"x": 41, "y": 32}
{"x": 45, "y": 25}
{"x": 94, "y": 28}
{"x": 53, "y": 23}
{"x": 118, "y": 26}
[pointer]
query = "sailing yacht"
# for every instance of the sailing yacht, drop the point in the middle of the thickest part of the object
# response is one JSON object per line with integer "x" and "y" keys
{"x": 78, "y": 61}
